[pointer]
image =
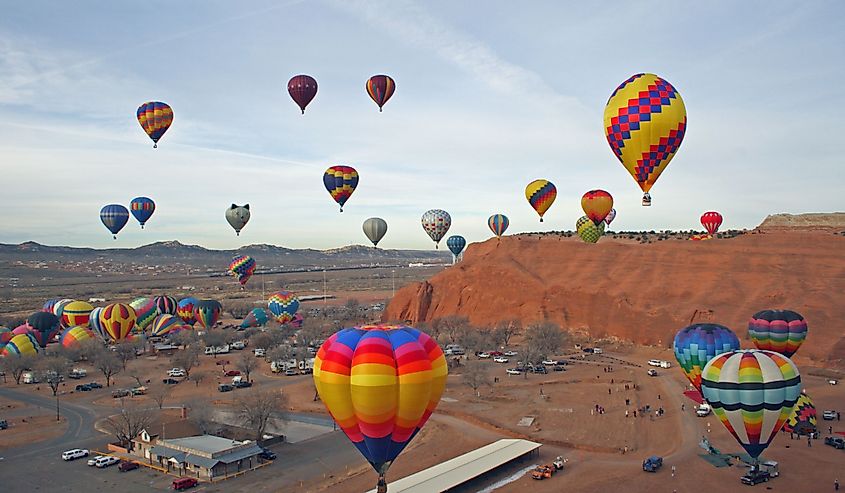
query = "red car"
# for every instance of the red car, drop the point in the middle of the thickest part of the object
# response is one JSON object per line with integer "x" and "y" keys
{"x": 184, "y": 483}
{"x": 222, "y": 363}
{"x": 232, "y": 373}
{"x": 496, "y": 353}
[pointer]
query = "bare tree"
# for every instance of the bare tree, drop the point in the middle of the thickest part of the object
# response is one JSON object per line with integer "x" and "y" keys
{"x": 127, "y": 424}
{"x": 202, "y": 415}
{"x": 125, "y": 351}
{"x": 160, "y": 393}
{"x": 186, "y": 359}
{"x": 262, "y": 340}
{"x": 469, "y": 338}
{"x": 504, "y": 331}
{"x": 108, "y": 363}
{"x": 475, "y": 374}
{"x": 17, "y": 365}
{"x": 247, "y": 364}
{"x": 89, "y": 348}
{"x": 281, "y": 353}
{"x": 541, "y": 341}
{"x": 214, "y": 338}
{"x": 452, "y": 326}
{"x": 198, "y": 377}
{"x": 54, "y": 368}
{"x": 258, "y": 407}
{"x": 239, "y": 310}
{"x": 185, "y": 338}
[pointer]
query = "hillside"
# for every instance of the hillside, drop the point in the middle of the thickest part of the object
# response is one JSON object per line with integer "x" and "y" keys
{"x": 643, "y": 292}
{"x": 833, "y": 220}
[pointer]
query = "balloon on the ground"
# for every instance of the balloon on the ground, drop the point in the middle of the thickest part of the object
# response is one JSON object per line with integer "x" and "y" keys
{"x": 700, "y": 237}
{"x": 44, "y": 326}
{"x": 23, "y": 328}
{"x": 118, "y": 320}
{"x": 375, "y": 228}
{"x": 207, "y": 313}
{"x": 155, "y": 118}
{"x": 21, "y": 345}
{"x": 165, "y": 324}
{"x": 380, "y": 88}
{"x": 76, "y": 313}
{"x": 697, "y": 344}
{"x": 73, "y": 336}
{"x": 185, "y": 309}
{"x": 597, "y": 204}
{"x": 752, "y": 392}
{"x": 242, "y": 267}
{"x": 588, "y": 231}
{"x": 165, "y": 304}
{"x": 711, "y": 221}
{"x": 644, "y": 122}
{"x": 145, "y": 310}
{"x": 142, "y": 208}
{"x": 114, "y": 218}
{"x": 257, "y": 317}
{"x": 237, "y": 216}
{"x": 610, "y": 217}
{"x": 59, "y": 307}
{"x": 541, "y": 195}
{"x": 802, "y": 419}
{"x": 283, "y": 305}
{"x": 456, "y": 244}
{"x": 340, "y": 182}
{"x": 5, "y": 336}
{"x": 781, "y": 331}
{"x": 302, "y": 89}
{"x": 48, "y": 305}
{"x": 498, "y": 224}
{"x": 96, "y": 325}
{"x": 436, "y": 223}
{"x": 380, "y": 383}
{"x": 297, "y": 321}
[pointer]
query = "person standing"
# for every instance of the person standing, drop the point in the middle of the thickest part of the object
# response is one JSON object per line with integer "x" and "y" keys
{"x": 809, "y": 442}
{"x": 836, "y": 484}
{"x": 673, "y": 470}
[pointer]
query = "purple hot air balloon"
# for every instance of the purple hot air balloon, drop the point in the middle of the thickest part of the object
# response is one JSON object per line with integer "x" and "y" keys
{"x": 302, "y": 88}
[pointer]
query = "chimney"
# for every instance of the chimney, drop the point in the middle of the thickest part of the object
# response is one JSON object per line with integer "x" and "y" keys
{"x": 184, "y": 414}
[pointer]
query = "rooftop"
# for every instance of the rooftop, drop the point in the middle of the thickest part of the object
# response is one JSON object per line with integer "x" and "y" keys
{"x": 205, "y": 443}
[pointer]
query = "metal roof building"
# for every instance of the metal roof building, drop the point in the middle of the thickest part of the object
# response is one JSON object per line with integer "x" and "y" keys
{"x": 457, "y": 471}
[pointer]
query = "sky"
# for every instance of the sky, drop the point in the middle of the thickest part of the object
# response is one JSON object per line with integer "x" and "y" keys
{"x": 488, "y": 98}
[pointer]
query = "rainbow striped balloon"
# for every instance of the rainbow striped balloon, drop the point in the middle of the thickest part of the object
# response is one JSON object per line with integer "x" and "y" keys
{"x": 242, "y": 267}
{"x": 166, "y": 324}
{"x": 752, "y": 393}
{"x": 165, "y": 305}
{"x": 498, "y": 224}
{"x": 781, "y": 331}
{"x": 155, "y": 118}
{"x": 380, "y": 383}
{"x": 145, "y": 309}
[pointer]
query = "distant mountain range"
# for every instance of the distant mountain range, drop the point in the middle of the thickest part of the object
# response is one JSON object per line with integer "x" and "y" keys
{"x": 170, "y": 252}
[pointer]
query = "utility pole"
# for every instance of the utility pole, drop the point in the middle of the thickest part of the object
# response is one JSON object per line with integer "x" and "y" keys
{"x": 324, "y": 287}
{"x": 393, "y": 278}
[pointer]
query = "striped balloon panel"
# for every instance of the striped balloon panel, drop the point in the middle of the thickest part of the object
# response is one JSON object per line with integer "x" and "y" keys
{"x": 498, "y": 224}
{"x": 76, "y": 313}
{"x": 165, "y": 305}
{"x": 781, "y": 331}
{"x": 185, "y": 310}
{"x": 207, "y": 313}
{"x": 340, "y": 181}
{"x": 697, "y": 344}
{"x": 95, "y": 324}
{"x": 145, "y": 310}
{"x": 155, "y": 118}
{"x": 803, "y": 416}
{"x": 73, "y": 336}
{"x": 752, "y": 392}
{"x": 21, "y": 344}
{"x": 380, "y": 88}
{"x": 118, "y": 319}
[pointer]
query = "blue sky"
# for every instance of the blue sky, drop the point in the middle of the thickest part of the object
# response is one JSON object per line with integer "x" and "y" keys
{"x": 488, "y": 98}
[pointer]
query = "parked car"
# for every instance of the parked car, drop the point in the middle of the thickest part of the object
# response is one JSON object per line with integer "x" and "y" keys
{"x": 652, "y": 464}
{"x": 306, "y": 371}
{"x": 139, "y": 391}
{"x": 514, "y": 371}
{"x": 510, "y": 353}
{"x": 703, "y": 410}
{"x": 832, "y": 381}
{"x": 652, "y": 372}
{"x": 550, "y": 362}
{"x": 127, "y": 465}
{"x": 225, "y": 387}
{"x": 95, "y": 385}
{"x": 829, "y": 414}
{"x": 267, "y": 454}
{"x": 238, "y": 345}
{"x": 106, "y": 461}
{"x": 291, "y": 372}
{"x": 558, "y": 368}
{"x": 483, "y": 355}
{"x": 4, "y": 424}
{"x": 835, "y": 442}
{"x": 260, "y": 352}
{"x": 538, "y": 369}
{"x": 176, "y": 372}
{"x": 242, "y": 384}
{"x": 77, "y": 373}
{"x": 93, "y": 461}
{"x": 500, "y": 359}
{"x": 753, "y": 477}
{"x": 73, "y": 454}
{"x": 184, "y": 483}
{"x": 120, "y": 393}
{"x": 170, "y": 381}
{"x": 232, "y": 373}
{"x": 83, "y": 387}
{"x": 496, "y": 353}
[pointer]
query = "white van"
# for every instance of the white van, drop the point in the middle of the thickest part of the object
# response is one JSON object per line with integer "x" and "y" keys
{"x": 597, "y": 350}
{"x": 703, "y": 410}
{"x": 76, "y": 453}
{"x": 30, "y": 377}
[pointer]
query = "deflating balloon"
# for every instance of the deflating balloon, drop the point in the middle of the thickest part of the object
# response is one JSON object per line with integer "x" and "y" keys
{"x": 302, "y": 89}
{"x": 644, "y": 122}
{"x": 114, "y": 217}
{"x": 242, "y": 267}
{"x": 498, "y": 224}
{"x": 142, "y": 208}
{"x": 541, "y": 195}
{"x": 237, "y": 216}
{"x": 436, "y": 223}
{"x": 697, "y": 344}
{"x": 44, "y": 326}
{"x": 588, "y": 231}
{"x": 375, "y": 228}
{"x": 380, "y": 383}
{"x": 155, "y": 118}
{"x": 752, "y": 393}
{"x": 380, "y": 88}
{"x": 283, "y": 305}
{"x": 340, "y": 181}
{"x": 781, "y": 331}
{"x": 803, "y": 418}
{"x": 257, "y": 317}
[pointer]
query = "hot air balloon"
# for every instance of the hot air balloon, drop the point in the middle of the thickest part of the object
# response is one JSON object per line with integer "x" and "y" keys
{"x": 588, "y": 231}
{"x": 95, "y": 324}
{"x": 644, "y": 122}
{"x": 456, "y": 245}
{"x": 166, "y": 324}
{"x": 711, "y": 221}
{"x": 297, "y": 321}
{"x": 237, "y": 216}
{"x": 5, "y": 336}
{"x": 117, "y": 320}
{"x": 48, "y": 305}
{"x": 256, "y": 317}
{"x": 436, "y": 224}
{"x": 185, "y": 310}
{"x": 597, "y": 204}
{"x": 380, "y": 383}
{"x": 340, "y": 181}
{"x": 72, "y": 336}
{"x": 697, "y": 344}
{"x": 752, "y": 392}
{"x": 145, "y": 311}
{"x": 541, "y": 195}
{"x": 803, "y": 418}
{"x": 242, "y": 267}
{"x": 380, "y": 88}
{"x": 44, "y": 326}
{"x": 76, "y": 313}
{"x": 781, "y": 331}
{"x": 498, "y": 224}
{"x": 59, "y": 307}
{"x": 114, "y": 217}
{"x": 610, "y": 217}
{"x": 375, "y": 228}
{"x": 21, "y": 345}
{"x": 165, "y": 304}
{"x": 283, "y": 305}
{"x": 142, "y": 208}
{"x": 155, "y": 118}
{"x": 207, "y": 313}
{"x": 302, "y": 89}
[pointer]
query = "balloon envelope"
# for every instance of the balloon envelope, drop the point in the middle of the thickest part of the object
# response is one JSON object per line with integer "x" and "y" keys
{"x": 21, "y": 344}
{"x": 242, "y": 267}
{"x": 380, "y": 383}
{"x": 456, "y": 244}
{"x": 145, "y": 311}
{"x": 237, "y": 216}
{"x": 541, "y": 195}
{"x": 380, "y": 88}
{"x": 803, "y": 418}
{"x": 340, "y": 181}
{"x": 207, "y": 313}
{"x": 142, "y": 208}
{"x": 375, "y": 228}
{"x": 697, "y": 344}
{"x": 711, "y": 221}
{"x": 588, "y": 231}
{"x": 73, "y": 336}
{"x": 597, "y": 204}
{"x": 95, "y": 324}
{"x": 155, "y": 118}
{"x": 165, "y": 324}
{"x": 185, "y": 309}
{"x": 498, "y": 224}
{"x": 114, "y": 218}
{"x": 610, "y": 217}
{"x": 165, "y": 304}
{"x": 436, "y": 223}
{"x": 118, "y": 320}
{"x": 44, "y": 326}
{"x": 302, "y": 89}
{"x": 256, "y": 317}
{"x": 283, "y": 305}
{"x": 781, "y": 331}
{"x": 76, "y": 313}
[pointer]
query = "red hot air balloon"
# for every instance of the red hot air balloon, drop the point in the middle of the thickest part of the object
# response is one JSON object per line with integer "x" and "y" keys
{"x": 711, "y": 221}
{"x": 380, "y": 88}
{"x": 302, "y": 89}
